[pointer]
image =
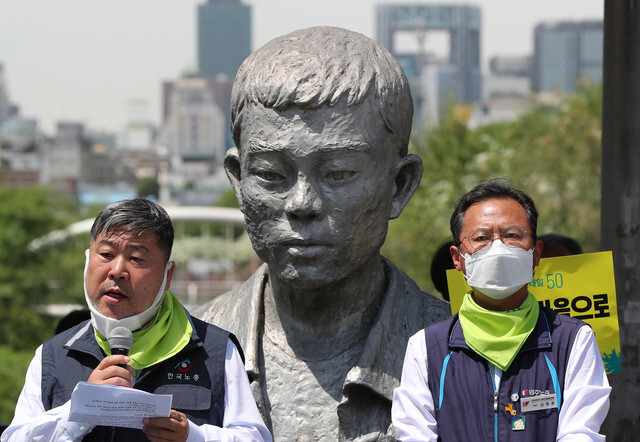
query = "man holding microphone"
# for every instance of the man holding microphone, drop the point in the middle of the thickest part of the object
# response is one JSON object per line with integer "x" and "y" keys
{"x": 126, "y": 279}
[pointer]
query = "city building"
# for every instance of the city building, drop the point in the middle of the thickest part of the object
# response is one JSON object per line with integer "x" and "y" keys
{"x": 193, "y": 137}
{"x": 512, "y": 66}
{"x": 19, "y": 133}
{"x": 19, "y": 152}
{"x": 224, "y": 37}
{"x": 139, "y": 132}
{"x": 439, "y": 85}
{"x": 75, "y": 164}
{"x": 464, "y": 27}
{"x": 565, "y": 53}
{"x": 509, "y": 79}
{"x": 5, "y": 104}
{"x": 194, "y": 119}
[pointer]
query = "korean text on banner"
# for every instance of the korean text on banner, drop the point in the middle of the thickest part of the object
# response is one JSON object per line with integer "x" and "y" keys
{"x": 581, "y": 286}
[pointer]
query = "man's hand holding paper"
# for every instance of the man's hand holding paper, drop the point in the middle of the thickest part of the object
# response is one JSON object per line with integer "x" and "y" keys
{"x": 108, "y": 405}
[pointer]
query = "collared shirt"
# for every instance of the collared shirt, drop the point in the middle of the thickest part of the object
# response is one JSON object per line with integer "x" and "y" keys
{"x": 241, "y": 418}
{"x": 364, "y": 411}
{"x": 585, "y": 405}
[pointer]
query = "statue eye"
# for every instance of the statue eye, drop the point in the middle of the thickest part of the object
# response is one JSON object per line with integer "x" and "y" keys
{"x": 339, "y": 175}
{"x": 270, "y": 176}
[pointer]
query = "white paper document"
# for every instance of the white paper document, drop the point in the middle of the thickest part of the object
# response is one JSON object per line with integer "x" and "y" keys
{"x": 114, "y": 406}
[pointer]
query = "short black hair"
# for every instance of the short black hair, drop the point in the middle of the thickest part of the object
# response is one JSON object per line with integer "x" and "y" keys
{"x": 496, "y": 188}
{"x": 74, "y": 317}
{"x": 136, "y": 215}
{"x": 440, "y": 263}
{"x": 555, "y": 240}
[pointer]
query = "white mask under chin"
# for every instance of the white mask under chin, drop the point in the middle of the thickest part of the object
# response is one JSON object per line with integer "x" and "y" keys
{"x": 499, "y": 271}
{"x": 105, "y": 324}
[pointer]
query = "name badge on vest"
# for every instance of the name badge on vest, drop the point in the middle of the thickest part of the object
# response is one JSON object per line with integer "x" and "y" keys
{"x": 539, "y": 402}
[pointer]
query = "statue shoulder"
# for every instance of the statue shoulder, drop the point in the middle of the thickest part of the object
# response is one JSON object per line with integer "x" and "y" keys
{"x": 414, "y": 300}
{"x": 233, "y": 306}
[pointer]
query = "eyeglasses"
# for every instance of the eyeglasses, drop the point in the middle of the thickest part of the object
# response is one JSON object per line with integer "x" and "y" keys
{"x": 478, "y": 239}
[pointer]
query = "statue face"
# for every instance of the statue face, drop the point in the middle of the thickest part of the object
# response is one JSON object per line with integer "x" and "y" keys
{"x": 316, "y": 188}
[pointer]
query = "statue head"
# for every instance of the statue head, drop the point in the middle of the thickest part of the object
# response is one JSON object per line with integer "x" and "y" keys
{"x": 321, "y": 119}
{"x": 320, "y": 66}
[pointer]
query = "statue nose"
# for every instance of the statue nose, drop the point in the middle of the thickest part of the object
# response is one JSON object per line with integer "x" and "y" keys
{"x": 302, "y": 200}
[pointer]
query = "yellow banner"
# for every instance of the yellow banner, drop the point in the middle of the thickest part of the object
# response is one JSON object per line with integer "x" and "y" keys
{"x": 580, "y": 286}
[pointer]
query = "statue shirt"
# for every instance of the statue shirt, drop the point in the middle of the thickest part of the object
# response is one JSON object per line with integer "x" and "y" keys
{"x": 364, "y": 412}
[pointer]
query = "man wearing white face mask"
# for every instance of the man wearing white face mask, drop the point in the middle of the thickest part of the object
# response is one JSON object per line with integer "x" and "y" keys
{"x": 503, "y": 368}
{"x": 127, "y": 276}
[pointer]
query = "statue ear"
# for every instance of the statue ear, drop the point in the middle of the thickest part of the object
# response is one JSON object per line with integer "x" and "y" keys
{"x": 232, "y": 168}
{"x": 408, "y": 176}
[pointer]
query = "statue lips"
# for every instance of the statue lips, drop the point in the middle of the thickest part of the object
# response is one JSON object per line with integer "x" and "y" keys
{"x": 304, "y": 248}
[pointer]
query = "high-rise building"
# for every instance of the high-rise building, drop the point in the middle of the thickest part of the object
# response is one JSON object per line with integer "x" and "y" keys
{"x": 224, "y": 37}
{"x": 565, "y": 52}
{"x": 138, "y": 132}
{"x": 440, "y": 91}
{"x": 5, "y": 105}
{"x": 194, "y": 123}
{"x": 512, "y": 66}
{"x": 464, "y": 26}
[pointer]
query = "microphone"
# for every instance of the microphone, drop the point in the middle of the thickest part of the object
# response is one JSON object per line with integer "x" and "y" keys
{"x": 120, "y": 340}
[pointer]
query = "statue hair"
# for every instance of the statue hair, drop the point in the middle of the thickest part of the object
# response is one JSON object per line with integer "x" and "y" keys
{"x": 318, "y": 66}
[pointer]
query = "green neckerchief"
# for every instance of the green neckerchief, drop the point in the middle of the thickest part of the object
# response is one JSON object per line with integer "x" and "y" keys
{"x": 167, "y": 334}
{"x": 497, "y": 336}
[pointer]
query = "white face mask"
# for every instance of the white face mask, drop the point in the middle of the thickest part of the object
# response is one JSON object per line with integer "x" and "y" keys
{"x": 105, "y": 324}
{"x": 498, "y": 270}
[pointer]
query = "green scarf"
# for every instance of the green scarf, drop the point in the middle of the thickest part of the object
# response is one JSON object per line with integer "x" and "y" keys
{"x": 164, "y": 337}
{"x": 497, "y": 336}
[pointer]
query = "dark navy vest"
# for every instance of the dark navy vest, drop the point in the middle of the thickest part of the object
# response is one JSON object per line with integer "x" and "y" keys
{"x": 195, "y": 376}
{"x": 462, "y": 383}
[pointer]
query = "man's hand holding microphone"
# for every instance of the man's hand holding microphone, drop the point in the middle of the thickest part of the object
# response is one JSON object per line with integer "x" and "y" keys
{"x": 113, "y": 369}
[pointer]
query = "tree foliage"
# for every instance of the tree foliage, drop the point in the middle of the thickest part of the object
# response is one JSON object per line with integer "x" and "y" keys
{"x": 30, "y": 279}
{"x": 552, "y": 152}
{"x": 148, "y": 187}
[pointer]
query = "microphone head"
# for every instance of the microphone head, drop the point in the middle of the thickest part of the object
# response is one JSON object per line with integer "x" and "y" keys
{"x": 120, "y": 337}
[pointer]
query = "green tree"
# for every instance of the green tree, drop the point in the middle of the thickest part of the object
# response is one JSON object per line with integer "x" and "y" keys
{"x": 31, "y": 278}
{"x": 227, "y": 199}
{"x": 148, "y": 187}
{"x": 552, "y": 152}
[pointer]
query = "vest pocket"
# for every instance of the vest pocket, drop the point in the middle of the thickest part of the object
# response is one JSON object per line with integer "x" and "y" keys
{"x": 187, "y": 397}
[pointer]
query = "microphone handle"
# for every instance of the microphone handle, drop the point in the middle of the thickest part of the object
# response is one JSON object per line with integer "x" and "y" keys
{"x": 120, "y": 351}
{"x": 117, "y": 351}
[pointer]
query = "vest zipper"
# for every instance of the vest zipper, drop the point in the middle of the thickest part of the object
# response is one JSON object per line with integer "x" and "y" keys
{"x": 496, "y": 394}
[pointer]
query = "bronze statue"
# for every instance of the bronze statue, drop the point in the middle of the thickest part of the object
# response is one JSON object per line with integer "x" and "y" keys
{"x": 321, "y": 118}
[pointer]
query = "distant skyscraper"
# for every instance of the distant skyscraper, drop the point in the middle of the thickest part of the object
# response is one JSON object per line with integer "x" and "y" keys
{"x": 464, "y": 26}
{"x": 194, "y": 123}
{"x": 512, "y": 66}
{"x": 224, "y": 37}
{"x": 565, "y": 52}
{"x": 440, "y": 91}
{"x": 138, "y": 132}
{"x": 5, "y": 105}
